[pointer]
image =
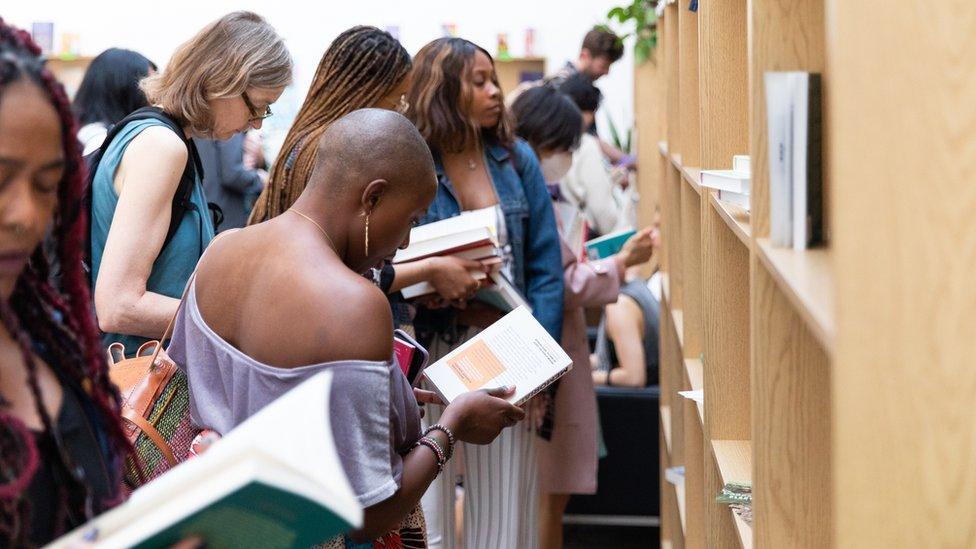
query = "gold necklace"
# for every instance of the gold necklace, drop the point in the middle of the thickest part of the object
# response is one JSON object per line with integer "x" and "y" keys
{"x": 319, "y": 227}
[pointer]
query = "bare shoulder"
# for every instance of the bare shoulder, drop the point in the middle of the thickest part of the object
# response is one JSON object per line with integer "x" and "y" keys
{"x": 356, "y": 322}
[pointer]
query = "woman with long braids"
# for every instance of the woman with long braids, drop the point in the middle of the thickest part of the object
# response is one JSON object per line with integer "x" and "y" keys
{"x": 61, "y": 445}
{"x": 363, "y": 67}
{"x": 456, "y": 104}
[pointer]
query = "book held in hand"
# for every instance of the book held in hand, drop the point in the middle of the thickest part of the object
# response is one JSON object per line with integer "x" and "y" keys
{"x": 274, "y": 481}
{"x": 502, "y": 294}
{"x": 464, "y": 233}
{"x": 607, "y": 245}
{"x": 515, "y": 351}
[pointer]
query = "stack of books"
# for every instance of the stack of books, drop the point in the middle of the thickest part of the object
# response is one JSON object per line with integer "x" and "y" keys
{"x": 477, "y": 235}
{"x": 471, "y": 235}
{"x": 733, "y": 185}
{"x": 738, "y": 496}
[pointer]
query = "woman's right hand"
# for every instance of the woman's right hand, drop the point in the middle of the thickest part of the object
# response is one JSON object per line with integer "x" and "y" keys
{"x": 451, "y": 277}
{"x": 638, "y": 248}
{"x": 479, "y": 416}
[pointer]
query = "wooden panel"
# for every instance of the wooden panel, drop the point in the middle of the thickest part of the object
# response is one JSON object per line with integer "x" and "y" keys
{"x": 669, "y": 31}
{"x": 513, "y": 72}
{"x": 737, "y": 219}
{"x": 726, "y": 343}
{"x": 724, "y": 82}
{"x": 791, "y": 424}
{"x": 806, "y": 279}
{"x": 692, "y": 177}
{"x": 691, "y": 271}
{"x": 688, "y": 85}
{"x": 784, "y": 35}
{"x": 671, "y": 233}
{"x": 903, "y": 121}
{"x": 734, "y": 459}
{"x": 649, "y": 124}
{"x": 694, "y": 477}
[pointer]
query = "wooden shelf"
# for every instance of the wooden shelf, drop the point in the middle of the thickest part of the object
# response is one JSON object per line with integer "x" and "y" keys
{"x": 696, "y": 378}
{"x": 692, "y": 176}
{"x": 734, "y": 459}
{"x": 679, "y": 492}
{"x": 696, "y": 373}
{"x": 735, "y": 217}
{"x": 676, "y": 161}
{"x": 666, "y": 427}
{"x": 666, "y": 287}
{"x": 805, "y": 277}
{"x": 677, "y": 317}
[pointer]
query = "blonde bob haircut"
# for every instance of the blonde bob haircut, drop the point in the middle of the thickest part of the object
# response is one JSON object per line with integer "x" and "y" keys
{"x": 236, "y": 52}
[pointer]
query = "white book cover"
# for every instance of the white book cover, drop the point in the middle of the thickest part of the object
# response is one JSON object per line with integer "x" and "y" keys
{"x": 515, "y": 350}
{"x": 484, "y": 217}
{"x": 726, "y": 180}
{"x": 779, "y": 118}
{"x": 736, "y": 199}
{"x": 741, "y": 163}
{"x": 425, "y": 288}
{"x": 272, "y": 475}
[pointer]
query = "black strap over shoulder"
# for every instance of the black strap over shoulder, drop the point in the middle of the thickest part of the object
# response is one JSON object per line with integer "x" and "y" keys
{"x": 181, "y": 199}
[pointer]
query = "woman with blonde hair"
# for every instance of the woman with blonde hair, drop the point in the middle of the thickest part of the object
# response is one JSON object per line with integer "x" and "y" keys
{"x": 149, "y": 220}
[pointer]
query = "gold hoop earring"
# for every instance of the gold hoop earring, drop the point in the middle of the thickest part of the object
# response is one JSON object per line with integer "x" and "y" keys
{"x": 367, "y": 235}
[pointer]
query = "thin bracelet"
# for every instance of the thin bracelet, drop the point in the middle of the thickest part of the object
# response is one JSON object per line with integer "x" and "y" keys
{"x": 451, "y": 439}
{"x": 436, "y": 448}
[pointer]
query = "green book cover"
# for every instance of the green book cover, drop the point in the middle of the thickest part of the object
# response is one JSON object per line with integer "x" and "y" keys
{"x": 256, "y": 515}
{"x": 606, "y": 246}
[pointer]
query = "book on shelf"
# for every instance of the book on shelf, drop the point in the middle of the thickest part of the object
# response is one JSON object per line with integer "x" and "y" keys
{"x": 697, "y": 395}
{"x": 736, "y": 199}
{"x": 675, "y": 475}
{"x": 735, "y": 181}
{"x": 515, "y": 351}
{"x": 502, "y": 294}
{"x": 741, "y": 163}
{"x": 458, "y": 235}
{"x": 273, "y": 481}
{"x": 607, "y": 245}
{"x": 795, "y": 133}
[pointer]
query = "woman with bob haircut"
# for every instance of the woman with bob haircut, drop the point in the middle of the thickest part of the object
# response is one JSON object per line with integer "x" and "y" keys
{"x": 456, "y": 104}
{"x": 221, "y": 82}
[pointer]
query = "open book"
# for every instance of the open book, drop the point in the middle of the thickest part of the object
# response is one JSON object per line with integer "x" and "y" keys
{"x": 274, "y": 481}
{"x": 515, "y": 350}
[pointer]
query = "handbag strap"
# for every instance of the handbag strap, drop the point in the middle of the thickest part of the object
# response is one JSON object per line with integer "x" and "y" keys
{"x": 149, "y": 430}
{"x": 189, "y": 283}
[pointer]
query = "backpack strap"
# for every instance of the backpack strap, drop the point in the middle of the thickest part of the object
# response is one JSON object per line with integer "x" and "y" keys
{"x": 182, "y": 196}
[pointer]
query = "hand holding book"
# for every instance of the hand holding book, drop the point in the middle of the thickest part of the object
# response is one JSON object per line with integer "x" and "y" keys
{"x": 477, "y": 417}
{"x": 638, "y": 248}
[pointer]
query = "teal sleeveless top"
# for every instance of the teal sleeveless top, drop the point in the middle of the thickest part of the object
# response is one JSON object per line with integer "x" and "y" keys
{"x": 176, "y": 261}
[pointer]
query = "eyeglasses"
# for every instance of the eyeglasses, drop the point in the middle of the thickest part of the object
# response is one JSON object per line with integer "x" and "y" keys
{"x": 254, "y": 112}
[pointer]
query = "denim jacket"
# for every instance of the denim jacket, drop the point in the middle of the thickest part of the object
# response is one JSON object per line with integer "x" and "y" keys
{"x": 532, "y": 235}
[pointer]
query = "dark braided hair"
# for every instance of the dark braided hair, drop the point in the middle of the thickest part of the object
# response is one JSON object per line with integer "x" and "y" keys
{"x": 362, "y": 65}
{"x": 60, "y": 322}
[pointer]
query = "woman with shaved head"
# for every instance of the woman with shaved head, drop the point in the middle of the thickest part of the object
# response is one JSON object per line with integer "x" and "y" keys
{"x": 304, "y": 307}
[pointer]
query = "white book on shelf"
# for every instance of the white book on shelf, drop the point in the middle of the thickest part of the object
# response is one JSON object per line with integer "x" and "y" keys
{"x": 741, "y": 163}
{"x": 779, "y": 119}
{"x": 807, "y": 160}
{"x": 736, "y": 181}
{"x": 736, "y": 199}
{"x": 515, "y": 351}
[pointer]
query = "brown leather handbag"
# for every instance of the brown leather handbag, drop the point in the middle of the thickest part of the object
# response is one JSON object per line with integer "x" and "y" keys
{"x": 155, "y": 406}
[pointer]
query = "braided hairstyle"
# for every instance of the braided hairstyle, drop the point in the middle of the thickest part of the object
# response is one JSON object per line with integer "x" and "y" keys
{"x": 59, "y": 321}
{"x": 362, "y": 65}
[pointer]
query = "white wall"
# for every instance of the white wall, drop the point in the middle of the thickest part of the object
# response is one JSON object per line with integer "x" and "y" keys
{"x": 309, "y": 27}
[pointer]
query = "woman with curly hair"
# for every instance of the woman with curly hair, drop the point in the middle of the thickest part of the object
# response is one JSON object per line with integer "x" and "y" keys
{"x": 61, "y": 445}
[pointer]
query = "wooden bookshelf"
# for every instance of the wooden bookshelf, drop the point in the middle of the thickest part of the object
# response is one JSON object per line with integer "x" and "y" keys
{"x": 515, "y": 70}
{"x": 836, "y": 379}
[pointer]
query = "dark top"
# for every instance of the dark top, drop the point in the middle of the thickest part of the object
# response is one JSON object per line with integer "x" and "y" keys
{"x": 651, "y": 310}
{"x": 225, "y": 180}
{"x": 84, "y": 448}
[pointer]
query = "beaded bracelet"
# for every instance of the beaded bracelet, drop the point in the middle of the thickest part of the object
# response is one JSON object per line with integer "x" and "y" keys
{"x": 436, "y": 448}
{"x": 451, "y": 439}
